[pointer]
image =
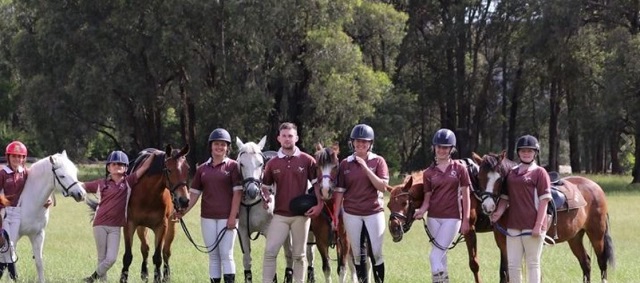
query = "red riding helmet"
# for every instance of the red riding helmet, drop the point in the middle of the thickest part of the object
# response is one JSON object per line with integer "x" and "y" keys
{"x": 16, "y": 148}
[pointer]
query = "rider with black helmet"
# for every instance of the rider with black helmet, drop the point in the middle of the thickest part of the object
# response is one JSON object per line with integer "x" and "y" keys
{"x": 528, "y": 192}
{"x": 219, "y": 182}
{"x": 446, "y": 182}
{"x": 111, "y": 209}
{"x": 362, "y": 179}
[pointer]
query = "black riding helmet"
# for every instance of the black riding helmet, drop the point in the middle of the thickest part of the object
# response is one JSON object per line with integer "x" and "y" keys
{"x": 444, "y": 137}
{"x": 301, "y": 204}
{"x": 219, "y": 134}
{"x": 528, "y": 141}
{"x": 361, "y": 132}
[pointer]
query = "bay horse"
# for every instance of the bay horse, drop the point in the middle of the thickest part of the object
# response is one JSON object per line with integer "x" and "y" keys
{"x": 163, "y": 188}
{"x": 322, "y": 226}
{"x": 45, "y": 175}
{"x": 406, "y": 197}
{"x": 586, "y": 211}
{"x": 253, "y": 218}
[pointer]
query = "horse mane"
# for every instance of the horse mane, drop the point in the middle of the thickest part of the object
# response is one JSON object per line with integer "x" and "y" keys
{"x": 156, "y": 167}
{"x": 324, "y": 157}
{"x": 40, "y": 166}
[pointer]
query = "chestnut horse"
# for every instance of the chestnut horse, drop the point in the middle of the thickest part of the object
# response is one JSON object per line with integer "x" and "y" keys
{"x": 322, "y": 226}
{"x": 151, "y": 203}
{"x": 587, "y": 215}
{"x": 405, "y": 198}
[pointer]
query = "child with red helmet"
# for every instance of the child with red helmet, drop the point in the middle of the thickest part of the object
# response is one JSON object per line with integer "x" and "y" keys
{"x": 13, "y": 176}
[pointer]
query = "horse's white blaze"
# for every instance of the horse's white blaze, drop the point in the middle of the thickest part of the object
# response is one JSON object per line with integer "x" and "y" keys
{"x": 37, "y": 189}
{"x": 488, "y": 204}
{"x": 326, "y": 183}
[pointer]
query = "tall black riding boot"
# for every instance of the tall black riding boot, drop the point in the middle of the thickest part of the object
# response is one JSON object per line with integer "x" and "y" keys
{"x": 361, "y": 272}
{"x": 229, "y": 278}
{"x": 215, "y": 280}
{"x": 378, "y": 273}
{"x": 2, "y": 267}
{"x": 13, "y": 273}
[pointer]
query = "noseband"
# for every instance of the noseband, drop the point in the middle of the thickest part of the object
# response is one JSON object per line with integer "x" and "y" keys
{"x": 406, "y": 220}
{"x": 172, "y": 187}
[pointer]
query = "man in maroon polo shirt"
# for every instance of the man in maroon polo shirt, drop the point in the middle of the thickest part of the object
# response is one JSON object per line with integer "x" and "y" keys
{"x": 290, "y": 171}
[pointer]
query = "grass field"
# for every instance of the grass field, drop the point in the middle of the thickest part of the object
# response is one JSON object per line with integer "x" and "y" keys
{"x": 70, "y": 250}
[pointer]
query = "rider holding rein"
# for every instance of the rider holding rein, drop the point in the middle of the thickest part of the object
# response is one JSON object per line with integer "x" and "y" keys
{"x": 110, "y": 216}
{"x": 527, "y": 195}
{"x": 219, "y": 181}
{"x": 362, "y": 179}
{"x": 13, "y": 176}
{"x": 446, "y": 202}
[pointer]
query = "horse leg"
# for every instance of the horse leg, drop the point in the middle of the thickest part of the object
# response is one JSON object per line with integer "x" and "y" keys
{"x": 129, "y": 229}
{"x": 144, "y": 250}
{"x": 501, "y": 242}
{"x": 159, "y": 232}
{"x": 577, "y": 247}
{"x": 245, "y": 246}
{"x": 166, "y": 251}
{"x": 311, "y": 241}
{"x": 598, "y": 233}
{"x": 472, "y": 249}
{"x": 37, "y": 242}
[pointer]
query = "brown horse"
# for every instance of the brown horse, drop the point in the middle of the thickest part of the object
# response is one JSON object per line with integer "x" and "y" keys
{"x": 407, "y": 197}
{"x": 3, "y": 235}
{"x": 153, "y": 199}
{"x": 322, "y": 226}
{"x": 585, "y": 211}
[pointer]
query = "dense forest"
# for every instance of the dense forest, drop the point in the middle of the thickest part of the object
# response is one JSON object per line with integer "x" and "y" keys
{"x": 91, "y": 76}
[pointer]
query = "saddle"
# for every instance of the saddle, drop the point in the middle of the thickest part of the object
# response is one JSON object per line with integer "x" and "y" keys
{"x": 565, "y": 195}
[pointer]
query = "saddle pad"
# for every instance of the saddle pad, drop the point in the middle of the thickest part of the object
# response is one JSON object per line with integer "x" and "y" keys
{"x": 574, "y": 197}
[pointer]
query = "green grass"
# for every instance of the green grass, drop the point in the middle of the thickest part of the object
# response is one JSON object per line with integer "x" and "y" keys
{"x": 70, "y": 250}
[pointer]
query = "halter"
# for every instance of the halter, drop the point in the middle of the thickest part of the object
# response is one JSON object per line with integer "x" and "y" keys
{"x": 172, "y": 187}
{"x": 65, "y": 189}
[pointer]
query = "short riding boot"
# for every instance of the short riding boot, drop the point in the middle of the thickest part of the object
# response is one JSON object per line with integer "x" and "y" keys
{"x": 92, "y": 278}
{"x": 215, "y": 280}
{"x": 3, "y": 266}
{"x": 288, "y": 275}
{"x": 361, "y": 272}
{"x": 378, "y": 273}
{"x": 229, "y": 278}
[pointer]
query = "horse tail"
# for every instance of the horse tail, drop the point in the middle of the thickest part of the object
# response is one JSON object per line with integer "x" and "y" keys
{"x": 608, "y": 246}
{"x": 93, "y": 206}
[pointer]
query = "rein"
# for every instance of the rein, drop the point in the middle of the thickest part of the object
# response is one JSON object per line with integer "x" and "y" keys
{"x": 202, "y": 248}
{"x": 548, "y": 240}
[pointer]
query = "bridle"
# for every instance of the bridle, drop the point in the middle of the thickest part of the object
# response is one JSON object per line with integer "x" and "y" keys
{"x": 406, "y": 220}
{"x": 172, "y": 187}
{"x": 246, "y": 182}
{"x": 56, "y": 177}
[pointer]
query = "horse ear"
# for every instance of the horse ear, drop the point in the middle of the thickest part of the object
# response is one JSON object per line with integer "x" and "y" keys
{"x": 168, "y": 149}
{"x": 64, "y": 153}
{"x": 476, "y": 157}
{"x": 184, "y": 151}
{"x": 262, "y": 142}
{"x": 319, "y": 146}
{"x": 239, "y": 143}
{"x": 409, "y": 183}
{"x": 503, "y": 154}
{"x": 336, "y": 147}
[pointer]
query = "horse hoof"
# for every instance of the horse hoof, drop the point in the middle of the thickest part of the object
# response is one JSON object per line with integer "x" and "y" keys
{"x": 248, "y": 277}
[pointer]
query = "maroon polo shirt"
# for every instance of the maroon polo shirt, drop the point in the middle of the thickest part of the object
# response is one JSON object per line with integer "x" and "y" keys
{"x": 290, "y": 174}
{"x": 360, "y": 196}
{"x": 12, "y": 183}
{"x": 445, "y": 201}
{"x": 524, "y": 191}
{"x": 216, "y": 184}
{"x": 112, "y": 208}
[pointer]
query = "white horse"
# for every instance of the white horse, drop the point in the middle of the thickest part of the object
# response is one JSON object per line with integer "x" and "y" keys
{"x": 253, "y": 217}
{"x": 56, "y": 171}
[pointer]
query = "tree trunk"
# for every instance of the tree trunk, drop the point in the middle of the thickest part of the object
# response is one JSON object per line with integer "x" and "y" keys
{"x": 554, "y": 107}
{"x": 574, "y": 136}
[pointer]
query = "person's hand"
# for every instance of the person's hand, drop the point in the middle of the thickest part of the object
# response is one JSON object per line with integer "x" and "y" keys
{"x": 176, "y": 215}
{"x": 464, "y": 228}
{"x": 537, "y": 230}
{"x": 231, "y": 223}
{"x": 48, "y": 203}
{"x": 419, "y": 214}
{"x": 361, "y": 161}
{"x": 335, "y": 224}
{"x": 314, "y": 211}
{"x": 494, "y": 217}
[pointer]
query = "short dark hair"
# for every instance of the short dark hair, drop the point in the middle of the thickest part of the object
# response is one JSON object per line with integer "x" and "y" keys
{"x": 287, "y": 125}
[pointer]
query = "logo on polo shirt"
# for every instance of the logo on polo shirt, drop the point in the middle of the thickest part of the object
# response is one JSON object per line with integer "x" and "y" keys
{"x": 276, "y": 171}
{"x": 226, "y": 173}
{"x": 453, "y": 173}
{"x": 300, "y": 169}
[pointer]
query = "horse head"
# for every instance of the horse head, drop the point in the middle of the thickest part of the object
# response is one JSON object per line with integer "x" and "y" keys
{"x": 404, "y": 200}
{"x": 327, "y": 161}
{"x": 494, "y": 169}
{"x": 251, "y": 162}
{"x": 176, "y": 172}
{"x": 65, "y": 174}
